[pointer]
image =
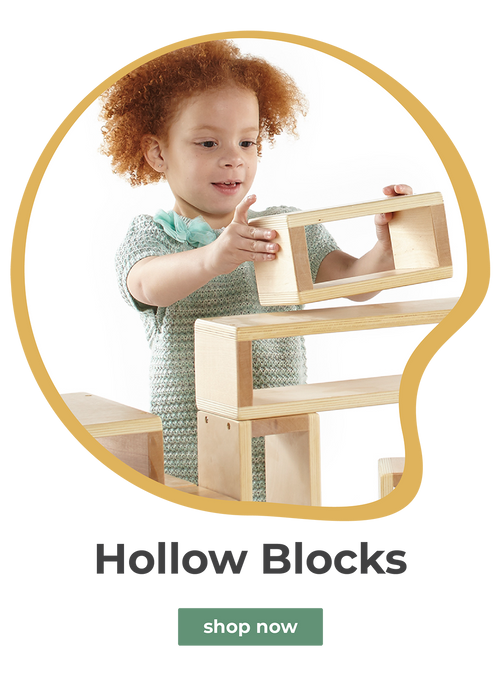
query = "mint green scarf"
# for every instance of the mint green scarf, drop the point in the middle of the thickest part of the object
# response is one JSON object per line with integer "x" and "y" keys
{"x": 197, "y": 232}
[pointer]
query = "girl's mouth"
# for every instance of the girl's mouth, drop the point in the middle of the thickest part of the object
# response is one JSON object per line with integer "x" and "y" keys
{"x": 227, "y": 187}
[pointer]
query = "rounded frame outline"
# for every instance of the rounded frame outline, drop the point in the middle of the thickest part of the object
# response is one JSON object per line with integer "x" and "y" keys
{"x": 475, "y": 294}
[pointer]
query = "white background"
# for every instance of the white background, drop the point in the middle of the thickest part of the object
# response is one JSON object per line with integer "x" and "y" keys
{"x": 355, "y": 139}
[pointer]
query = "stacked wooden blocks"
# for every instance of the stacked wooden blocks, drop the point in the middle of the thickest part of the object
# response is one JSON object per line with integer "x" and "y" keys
{"x": 231, "y": 412}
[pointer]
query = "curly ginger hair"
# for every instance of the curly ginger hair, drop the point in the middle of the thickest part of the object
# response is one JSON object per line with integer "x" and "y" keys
{"x": 147, "y": 100}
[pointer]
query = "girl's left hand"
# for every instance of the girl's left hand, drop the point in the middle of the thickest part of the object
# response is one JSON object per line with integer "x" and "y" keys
{"x": 382, "y": 219}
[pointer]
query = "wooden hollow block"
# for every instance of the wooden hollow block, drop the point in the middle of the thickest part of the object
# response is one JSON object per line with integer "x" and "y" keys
{"x": 390, "y": 471}
{"x": 292, "y": 457}
{"x": 224, "y": 385}
{"x": 133, "y": 436}
{"x": 419, "y": 238}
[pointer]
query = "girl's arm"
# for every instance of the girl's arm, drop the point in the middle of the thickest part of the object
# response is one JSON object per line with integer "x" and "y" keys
{"x": 163, "y": 280}
{"x": 338, "y": 264}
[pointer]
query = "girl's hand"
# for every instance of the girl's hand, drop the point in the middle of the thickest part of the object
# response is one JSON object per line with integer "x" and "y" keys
{"x": 240, "y": 242}
{"x": 382, "y": 219}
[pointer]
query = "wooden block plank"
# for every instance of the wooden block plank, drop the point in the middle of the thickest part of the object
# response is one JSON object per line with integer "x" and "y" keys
{"x": 384, "y": 280}
{"x": 324, "y": 396}
{"x": 104, "y": 418}
{"x": 308, "y": 398}
{"x": 348, "y": 287}
{"x": 329, "y": 320}
{"x": 390, "y": 204}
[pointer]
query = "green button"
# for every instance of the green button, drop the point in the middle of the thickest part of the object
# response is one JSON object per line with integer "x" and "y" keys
{"x": 250, "y": 626}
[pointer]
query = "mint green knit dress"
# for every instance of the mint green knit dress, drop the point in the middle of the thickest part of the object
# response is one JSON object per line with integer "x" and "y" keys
{"x": 170, "y": 334}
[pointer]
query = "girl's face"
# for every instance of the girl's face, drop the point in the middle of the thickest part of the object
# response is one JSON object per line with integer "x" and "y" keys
{"x": 210, "y": 154}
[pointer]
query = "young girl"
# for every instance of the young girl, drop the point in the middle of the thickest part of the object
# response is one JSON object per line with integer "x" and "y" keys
{"x": 197, "y": 117}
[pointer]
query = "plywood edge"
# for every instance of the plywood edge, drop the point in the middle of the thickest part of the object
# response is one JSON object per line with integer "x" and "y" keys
{"x": 251, "y": 326}
{"x": 347, "y": 287}
{"x": 338, "y": 319}
{"x": 384, "y": 280}
{"x": 214, "y": 327}
{"x": 347, "y": 211}
{"x": 315, "y": 459}
{"x": 209, "y": 406}
{"x": 103, "y": 417}
{"x": 391, "y": 466}
{"x": 98, "y": 430}
{"x": 281, "y": 298}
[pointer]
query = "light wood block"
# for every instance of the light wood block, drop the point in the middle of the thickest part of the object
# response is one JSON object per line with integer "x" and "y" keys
{"x": 225, "y": 456}
{"x": 293, "y": 474}
{"x": 420, "y": 246}
{"x": 293, "y": 400}
{"x": 222, "y": 386}
{"x": 133, "y": 436}
{"x": 390, "y": 471}
{"x": 187, "y": 487}
{"x": 292, "y": 457}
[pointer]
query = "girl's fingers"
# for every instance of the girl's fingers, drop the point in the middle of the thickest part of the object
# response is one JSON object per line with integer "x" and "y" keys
{"x": 397, "y": 190}
{"x": 382, "y": 218}
{"x": 241, "y": 211}
{"x": 256, "y": 239}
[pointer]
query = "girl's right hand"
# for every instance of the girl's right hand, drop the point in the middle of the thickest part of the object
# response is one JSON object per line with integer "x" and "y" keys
{"x": 240, "y": 242}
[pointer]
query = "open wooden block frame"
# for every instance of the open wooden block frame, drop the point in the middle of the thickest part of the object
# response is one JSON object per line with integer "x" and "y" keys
{"x": 292, "y": 457}
{"x": 232, "y": 412}
{"x": 419, "y": 241}
{"x": 223, "y": 359}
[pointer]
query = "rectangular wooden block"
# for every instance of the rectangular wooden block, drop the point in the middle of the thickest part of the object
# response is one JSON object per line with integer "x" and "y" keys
{"x": 132, "y": 435}
{"x": 244, "y": 403}
{"x": 420, "y": 245}
{"x": 292, "y": 457}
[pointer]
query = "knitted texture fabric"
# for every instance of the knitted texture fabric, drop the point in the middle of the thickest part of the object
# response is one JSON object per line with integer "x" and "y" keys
{"x": 170, "y": 334}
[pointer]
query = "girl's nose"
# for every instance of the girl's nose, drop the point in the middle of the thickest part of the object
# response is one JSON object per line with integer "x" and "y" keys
{"x": 231, "y": 159}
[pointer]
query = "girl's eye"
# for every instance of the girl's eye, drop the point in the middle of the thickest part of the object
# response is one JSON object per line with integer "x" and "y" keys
{"x": 209, "y": 144}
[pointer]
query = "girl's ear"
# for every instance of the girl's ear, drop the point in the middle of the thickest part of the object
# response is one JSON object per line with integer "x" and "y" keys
{"x": 152, "y": 149}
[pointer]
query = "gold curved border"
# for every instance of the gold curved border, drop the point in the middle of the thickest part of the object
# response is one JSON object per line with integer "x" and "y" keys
{"x": 474, "y": 292}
